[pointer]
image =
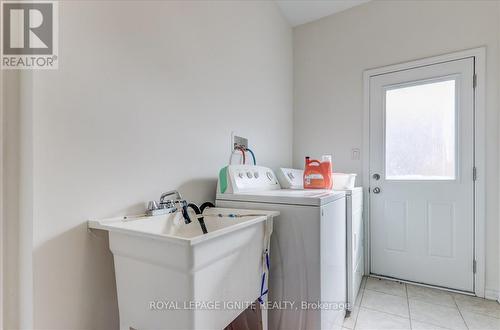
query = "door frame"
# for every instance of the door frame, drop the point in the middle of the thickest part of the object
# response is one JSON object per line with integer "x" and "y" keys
{"x": 479, "y": 55}
{"x": 2, "y": 227}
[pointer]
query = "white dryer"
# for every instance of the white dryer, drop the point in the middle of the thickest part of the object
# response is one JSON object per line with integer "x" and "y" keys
{"x": 307, "y": 284}
{"x": 292, "y": 179}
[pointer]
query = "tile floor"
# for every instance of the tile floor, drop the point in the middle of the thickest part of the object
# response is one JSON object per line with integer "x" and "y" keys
{"x": 383, "y": 304}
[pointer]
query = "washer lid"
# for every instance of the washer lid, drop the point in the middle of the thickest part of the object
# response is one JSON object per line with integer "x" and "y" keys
{"x": 286, "y": 196}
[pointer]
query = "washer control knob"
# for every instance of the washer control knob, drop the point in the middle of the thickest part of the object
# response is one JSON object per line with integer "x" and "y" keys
{"x": 249, "y": 175}
{"x": 270, "y": 176}
{"x": 256, "y": 175}
{"x": 240, "y": 175}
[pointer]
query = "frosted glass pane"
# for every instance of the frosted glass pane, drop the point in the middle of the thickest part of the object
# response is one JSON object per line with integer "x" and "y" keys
{"x": 420, "y": 132}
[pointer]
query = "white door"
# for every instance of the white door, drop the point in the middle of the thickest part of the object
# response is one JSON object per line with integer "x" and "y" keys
{"x": 421, "y": 174}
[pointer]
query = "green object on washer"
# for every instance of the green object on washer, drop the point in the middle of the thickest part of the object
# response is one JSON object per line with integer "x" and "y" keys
{"x": 223, "y": 180}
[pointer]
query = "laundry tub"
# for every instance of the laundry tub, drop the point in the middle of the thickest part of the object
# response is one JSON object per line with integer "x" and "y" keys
{"x": 170, "y": 275}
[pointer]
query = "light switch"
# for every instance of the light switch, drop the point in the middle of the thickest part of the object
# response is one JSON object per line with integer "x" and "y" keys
{"x": 355, "y": 154}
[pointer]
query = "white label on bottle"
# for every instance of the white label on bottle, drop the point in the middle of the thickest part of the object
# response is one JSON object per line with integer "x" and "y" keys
{"x": 313, "y": 176}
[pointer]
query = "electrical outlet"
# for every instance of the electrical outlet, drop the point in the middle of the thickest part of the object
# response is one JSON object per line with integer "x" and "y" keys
{"x": 238, "y": 141}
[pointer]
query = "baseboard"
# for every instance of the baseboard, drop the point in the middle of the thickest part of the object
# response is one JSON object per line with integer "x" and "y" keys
{"x": 491, "y": 294}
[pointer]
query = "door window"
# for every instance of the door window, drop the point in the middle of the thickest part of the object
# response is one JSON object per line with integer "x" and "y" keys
{"x": 420, "y": 131}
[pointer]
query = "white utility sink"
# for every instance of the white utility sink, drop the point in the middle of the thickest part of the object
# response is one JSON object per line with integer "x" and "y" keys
{"x": 170, "y": 275}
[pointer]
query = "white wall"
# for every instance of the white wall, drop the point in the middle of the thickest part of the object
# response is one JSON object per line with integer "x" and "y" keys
{"x": 331, "y": 54}
{"x": 17, "y": 200}
{"x": 144, "y": 101}
{"x": 498, "y": 94}
{"x": 10, "y": 164}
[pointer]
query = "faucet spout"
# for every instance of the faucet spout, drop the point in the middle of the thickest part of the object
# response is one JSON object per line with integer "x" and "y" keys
{"x": 170, "y": 193}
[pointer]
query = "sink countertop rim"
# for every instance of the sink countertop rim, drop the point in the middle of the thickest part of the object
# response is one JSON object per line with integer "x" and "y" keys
{"x": 107, "y": 225}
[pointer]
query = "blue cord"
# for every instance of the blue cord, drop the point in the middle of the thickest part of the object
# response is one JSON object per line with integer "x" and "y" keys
{"x": 253, "y": 156}
{"x": 262, "y": 291}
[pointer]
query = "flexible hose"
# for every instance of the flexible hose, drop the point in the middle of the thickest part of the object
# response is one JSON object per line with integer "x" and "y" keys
{"x": 242, "y": 152}
{"x": 206, "y": 205}
{"x": 253, "y": 156}
{"x": 200, "y": 219}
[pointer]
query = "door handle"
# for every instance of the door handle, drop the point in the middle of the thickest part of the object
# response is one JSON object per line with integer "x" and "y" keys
{"x": 376, "y": 176}
{"x": 376, "y": 190}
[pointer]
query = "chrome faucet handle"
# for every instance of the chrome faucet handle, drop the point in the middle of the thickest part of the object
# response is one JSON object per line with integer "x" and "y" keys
{"x": 153, "y": 205}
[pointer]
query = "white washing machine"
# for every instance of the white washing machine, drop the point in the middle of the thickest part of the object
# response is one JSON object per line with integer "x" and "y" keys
{"x": 307, "y": 284}
{"x": 292, "y": 179}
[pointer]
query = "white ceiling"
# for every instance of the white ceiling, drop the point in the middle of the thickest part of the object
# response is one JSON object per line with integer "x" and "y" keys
{"x": 302, "y": 11}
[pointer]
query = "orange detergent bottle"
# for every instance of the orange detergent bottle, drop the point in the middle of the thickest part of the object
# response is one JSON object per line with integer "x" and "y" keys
{"x": 318, "y": 175}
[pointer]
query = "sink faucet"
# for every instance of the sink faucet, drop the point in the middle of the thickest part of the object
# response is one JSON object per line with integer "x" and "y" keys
{"x": 165, "y": 206}
{"x": 170, "y": 193}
